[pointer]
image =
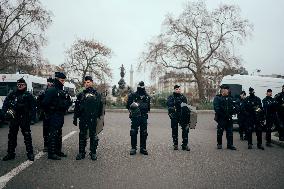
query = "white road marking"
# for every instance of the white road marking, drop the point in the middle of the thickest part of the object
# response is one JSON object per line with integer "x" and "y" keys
{"x": 8, "y": 176}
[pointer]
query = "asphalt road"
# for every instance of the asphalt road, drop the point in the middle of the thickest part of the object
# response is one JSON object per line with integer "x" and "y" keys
{"x": 203, "y": 167}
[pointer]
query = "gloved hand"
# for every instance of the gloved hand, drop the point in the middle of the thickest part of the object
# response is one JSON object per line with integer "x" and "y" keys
{"x": 9, "y": 115}
{"x": 75, "y": 122}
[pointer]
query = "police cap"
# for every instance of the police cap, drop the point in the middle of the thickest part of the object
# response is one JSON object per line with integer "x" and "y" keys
{"x": 176, "y": 86}
{"x": 88, "y": 78}
{"x": 21, "y": 80}
{"x": 269, "y": 90}
{"x": 60, "y": 75}
{"x": 141, "y": 84}
{"x": 224, "y": 87}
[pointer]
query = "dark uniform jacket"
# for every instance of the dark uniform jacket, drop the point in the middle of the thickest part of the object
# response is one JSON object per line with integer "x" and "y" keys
{"x": 240, "y": 103}
{"x": 279, "y": 98}
{"x": 22, "y": 102}
{"x": 142, "y": 100}
{"x": 254, "y": 108}
{"x": 174, "y": 105}
{"x": 269, "y": 106}
{"x": 85, "y": 109}
{"x": 224, "y": 107}
{"x": 56, "y": 100}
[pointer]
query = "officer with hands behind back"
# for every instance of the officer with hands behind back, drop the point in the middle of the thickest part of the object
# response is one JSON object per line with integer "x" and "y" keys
{"x": 55, "y": 103}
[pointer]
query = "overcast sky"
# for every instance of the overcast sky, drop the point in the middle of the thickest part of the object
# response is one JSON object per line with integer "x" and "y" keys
{"x": 126, "y": 26}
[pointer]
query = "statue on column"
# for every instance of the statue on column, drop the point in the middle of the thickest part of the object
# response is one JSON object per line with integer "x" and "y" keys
{"x": 121, "y": 83}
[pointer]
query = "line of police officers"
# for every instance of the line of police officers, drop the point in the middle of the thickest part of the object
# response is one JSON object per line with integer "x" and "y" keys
{"x": 20, "y": 106}
{"x": 253, "y": 115}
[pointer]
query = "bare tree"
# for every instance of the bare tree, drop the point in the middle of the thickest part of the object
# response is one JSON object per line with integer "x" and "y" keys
{"x": 88, "y": 57}
{"x": 199, "y": 41}
{"x": 22, "y": 27}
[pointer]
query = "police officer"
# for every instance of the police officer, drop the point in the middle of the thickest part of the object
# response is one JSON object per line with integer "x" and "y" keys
{"x": 88, "y": 108}
{"x": 174, "y": 110}
{"x": 269, "y": 107}
{"x": 279, "y": 98}
{"x": 19, "y": 107}
{"x": 138, "y": 104}
{"x": 255, "y": 117}
{"x": 55, "y": 104}
{"x": 242, "y": 116}
{"x": 224, "y": 109}
{"x": 45, "y": 118}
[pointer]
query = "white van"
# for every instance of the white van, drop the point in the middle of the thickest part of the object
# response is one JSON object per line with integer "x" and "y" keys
{"x": 238, "y": 83}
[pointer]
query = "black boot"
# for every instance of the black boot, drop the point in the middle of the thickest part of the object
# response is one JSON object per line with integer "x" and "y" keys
{"x": 259, "y": 146}
{"x": 250, "y": 146}
{"x": 175, "y": 147}
{"x": 185, "y": 148}
{"x": 53, "y": 157}
{"x": 133, "y": 135}
{"x": 143, "y": 151}
{"x": 59, "y": 145}
{"x": 80, "y": 156}
{"x": 185, "y": 131}
{"x": 132, "y": 151}
{"x": 143, "y": 139}
{"x": 29, "y": 145}
{"x": 94, "y": 141}
{"x": 93, "y": 156}
{"x": 82, "y": 144}
{"x": 9, "y": 156}
{"x": 231, "y": 147}
{"x": 61, "y": 154}
{"x": 268, "y": 144}
{"x": 219, "y": 146}
{"x": 52, "y": 146}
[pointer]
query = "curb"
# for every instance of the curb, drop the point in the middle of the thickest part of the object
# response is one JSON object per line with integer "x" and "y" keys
{"x": 275, "y": 140}
{"x": 158, "y": 111}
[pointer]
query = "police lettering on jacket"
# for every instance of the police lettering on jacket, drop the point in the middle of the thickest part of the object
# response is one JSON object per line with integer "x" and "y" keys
{"x": 88, "y": 104}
